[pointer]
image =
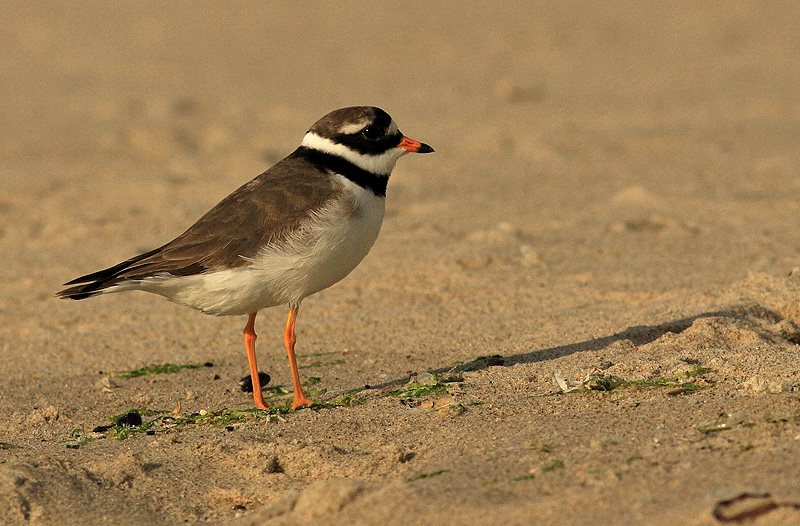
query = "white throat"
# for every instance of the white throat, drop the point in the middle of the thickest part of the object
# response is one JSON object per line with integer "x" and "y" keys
{"x": 382, "y": 164}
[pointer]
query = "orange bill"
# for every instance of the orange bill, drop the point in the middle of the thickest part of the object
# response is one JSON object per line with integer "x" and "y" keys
{"x": 412, "y": 146}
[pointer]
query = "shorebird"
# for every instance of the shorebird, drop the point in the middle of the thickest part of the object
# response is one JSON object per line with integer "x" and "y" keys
{"x": 296, "y": 229}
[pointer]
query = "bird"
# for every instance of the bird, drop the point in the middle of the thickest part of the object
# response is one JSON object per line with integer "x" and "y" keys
{"x": 296, "y": 229}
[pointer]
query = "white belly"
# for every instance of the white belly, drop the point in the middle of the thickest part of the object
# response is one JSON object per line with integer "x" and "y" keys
{"x": 325, "y": 250}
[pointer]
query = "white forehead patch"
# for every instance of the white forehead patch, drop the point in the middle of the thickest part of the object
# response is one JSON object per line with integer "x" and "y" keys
{"x": 392, "y": 128}
{"x": 354, "y": 127}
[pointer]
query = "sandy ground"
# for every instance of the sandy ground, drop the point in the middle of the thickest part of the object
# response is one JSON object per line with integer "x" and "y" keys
{"x": 610, "y": 216}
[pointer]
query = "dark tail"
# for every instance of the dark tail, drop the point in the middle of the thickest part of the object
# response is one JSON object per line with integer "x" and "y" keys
{"x": 96, "y": 282}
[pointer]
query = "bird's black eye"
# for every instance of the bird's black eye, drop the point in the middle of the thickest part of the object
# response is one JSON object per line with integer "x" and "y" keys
{"x": 372, "y": 133}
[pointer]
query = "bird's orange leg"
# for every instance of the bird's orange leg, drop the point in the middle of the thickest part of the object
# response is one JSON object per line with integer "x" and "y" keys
{"x": 250, "y": 347}
{"x": 289, "y": 339}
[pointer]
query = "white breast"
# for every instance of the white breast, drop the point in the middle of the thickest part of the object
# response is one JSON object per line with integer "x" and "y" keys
{"x": 325, "y": 249}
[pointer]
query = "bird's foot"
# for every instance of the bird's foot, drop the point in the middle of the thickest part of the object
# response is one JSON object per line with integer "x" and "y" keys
{"x": 300, "y": 401}
{"x": 259, "y": 400}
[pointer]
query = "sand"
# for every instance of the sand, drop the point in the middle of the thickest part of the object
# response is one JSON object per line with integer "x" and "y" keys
{"x": 594, "y": 280}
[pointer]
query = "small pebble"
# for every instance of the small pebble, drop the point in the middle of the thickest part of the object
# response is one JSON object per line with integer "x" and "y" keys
{"x": 246, "y": 383}
{"x": 778, "y": 387}
{"x": 562, "y": 383}
{"x": 208, "y": 364}
{"x": 129, "y": 420}
{"x": 757, "y": 384}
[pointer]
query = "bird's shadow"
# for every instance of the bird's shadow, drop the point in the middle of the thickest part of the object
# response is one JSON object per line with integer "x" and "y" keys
{"x": 638, "y": 335}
